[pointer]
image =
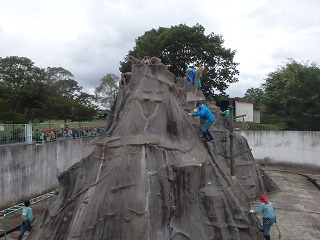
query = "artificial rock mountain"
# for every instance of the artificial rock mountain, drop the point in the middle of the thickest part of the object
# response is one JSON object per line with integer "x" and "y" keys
{"x": 151, "y": 177}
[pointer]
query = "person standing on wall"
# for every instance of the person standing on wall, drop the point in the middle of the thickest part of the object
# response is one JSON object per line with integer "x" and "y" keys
{"x": 267, "y": 208}
{"x": 204, "y": 112}
{"x": 27, "y": 219}
{"x": 37, "y": 135}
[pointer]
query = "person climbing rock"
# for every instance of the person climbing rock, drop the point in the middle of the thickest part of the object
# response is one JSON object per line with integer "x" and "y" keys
{"x": 194, "y": 75}
{"x": 27, "y": 219}
{"x": 267, "y": 208}
{"x": 204, "y": 112}
{"x": 191, "y": 74}
{"x": 226, "y": 119}
{"x": 226, "y": 113}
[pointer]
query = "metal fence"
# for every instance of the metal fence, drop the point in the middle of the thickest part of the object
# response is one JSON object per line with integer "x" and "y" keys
{"x": 15, "y": 133}
{"x": 44, "y": 132}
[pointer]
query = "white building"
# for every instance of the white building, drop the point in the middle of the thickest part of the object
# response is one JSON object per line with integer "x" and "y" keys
{"x": 244, "y": 110}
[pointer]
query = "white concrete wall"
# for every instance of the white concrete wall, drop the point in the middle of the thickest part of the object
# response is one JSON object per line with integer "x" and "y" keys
{"x": 242, "y": 108}
{"x": 28, "y": 170}
{"x": 256, "y": 116}
{"x": 285, "y": 146}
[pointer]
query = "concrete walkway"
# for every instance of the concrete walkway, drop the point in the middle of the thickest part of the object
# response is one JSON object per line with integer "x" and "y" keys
{"x": 298, "y": 206}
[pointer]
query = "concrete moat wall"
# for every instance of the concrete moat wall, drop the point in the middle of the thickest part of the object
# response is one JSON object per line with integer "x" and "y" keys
{"x": 284, "y": 146}
{"x": 29, "y": 170}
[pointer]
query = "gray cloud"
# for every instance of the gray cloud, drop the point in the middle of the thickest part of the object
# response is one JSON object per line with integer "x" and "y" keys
{"x": 90, "y": 38}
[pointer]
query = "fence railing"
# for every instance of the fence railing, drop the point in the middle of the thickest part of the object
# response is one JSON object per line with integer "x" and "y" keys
{"x": 44, "y": 132}
{"x": 15, "y": 133}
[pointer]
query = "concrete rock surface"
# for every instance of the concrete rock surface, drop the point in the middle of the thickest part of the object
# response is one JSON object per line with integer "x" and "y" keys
{"x": 151, "y": 176}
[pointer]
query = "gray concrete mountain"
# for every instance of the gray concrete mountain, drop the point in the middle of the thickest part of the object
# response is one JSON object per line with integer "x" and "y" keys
{"x": 151, "y": 177}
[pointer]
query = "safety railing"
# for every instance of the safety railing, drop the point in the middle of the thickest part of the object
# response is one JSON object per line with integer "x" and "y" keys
{"x": 46, "y": 132}
{"x": 13, "y": 209}
{"x": 15, "y": 133}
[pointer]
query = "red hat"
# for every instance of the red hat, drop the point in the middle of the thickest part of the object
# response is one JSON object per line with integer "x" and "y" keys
{"x": 264, "y": 199}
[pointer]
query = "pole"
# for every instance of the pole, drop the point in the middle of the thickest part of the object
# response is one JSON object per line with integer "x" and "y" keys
{"x": 232, "y": 162}
{"x": 5, "y": 227}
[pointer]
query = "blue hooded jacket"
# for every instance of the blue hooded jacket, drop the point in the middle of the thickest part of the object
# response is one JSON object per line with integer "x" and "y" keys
{"x": 205, "y": 113}
{"x": 191, "y": 74}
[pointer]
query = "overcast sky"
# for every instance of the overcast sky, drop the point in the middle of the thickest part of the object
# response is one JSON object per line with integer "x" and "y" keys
{"x": 90, "y": 37}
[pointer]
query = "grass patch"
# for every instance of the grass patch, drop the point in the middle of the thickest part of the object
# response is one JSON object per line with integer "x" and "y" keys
{"x": 263, "y": 127}
{"x": 255, "y": 126}
{"x": 58, "y": 124}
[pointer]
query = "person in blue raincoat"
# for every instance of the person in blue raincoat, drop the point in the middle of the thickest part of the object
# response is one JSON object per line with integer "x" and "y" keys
{"x": 192, "y": 74}
{"x": 204, "y": 112}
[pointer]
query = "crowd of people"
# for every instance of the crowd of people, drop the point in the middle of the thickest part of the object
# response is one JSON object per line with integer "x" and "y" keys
{"x": 51, "y": 134}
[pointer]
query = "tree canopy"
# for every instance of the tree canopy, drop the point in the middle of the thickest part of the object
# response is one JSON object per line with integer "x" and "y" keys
{"x": 292, "y": 98}
{"x": 29, "y": 93}
{"x": 107, "y": 90}
{"x": 256, "y": 95}
{"x": 181, "y": 46}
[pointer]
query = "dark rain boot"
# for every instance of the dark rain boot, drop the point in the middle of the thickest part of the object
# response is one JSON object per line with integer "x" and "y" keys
{"x": 204, "y": 136}
{"x": 267, "y": 237}
{"x": 209, "y": 136}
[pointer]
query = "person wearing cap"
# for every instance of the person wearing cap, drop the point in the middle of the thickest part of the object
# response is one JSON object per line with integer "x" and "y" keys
{"x": 204, "y": 112}
{"x": 267, "y": 208}
{"x": 27, "y": 219}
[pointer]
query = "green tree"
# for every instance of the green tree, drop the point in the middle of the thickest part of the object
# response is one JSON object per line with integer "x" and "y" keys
{"x": 7, "y": 107}
{"x": 62, "y": 83}
{"x": 84, "y": 108}
{"x": 70, "y": 101}
{"x": 292, "y": 97}
{"x": 16, "y": 72}
{"x": 68, "y": 88}
{"x": 106, "y": 92}
{"x": 59, "y": 107}
{"x": 62, "y": 107}
{"x": 55, "y": 74}
{"x": 82, "y": 113}
{"x": 26, "y": 81}
{"x": 6, "y": 104}
{"x": 87, "y": 100}
{"x": 256, "y": 95}
{"x": 180, "y": 46}
{"x": 29, "y": 93}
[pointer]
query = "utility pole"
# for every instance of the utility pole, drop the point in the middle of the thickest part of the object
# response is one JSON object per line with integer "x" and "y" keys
{"x": 232, "y": 162}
